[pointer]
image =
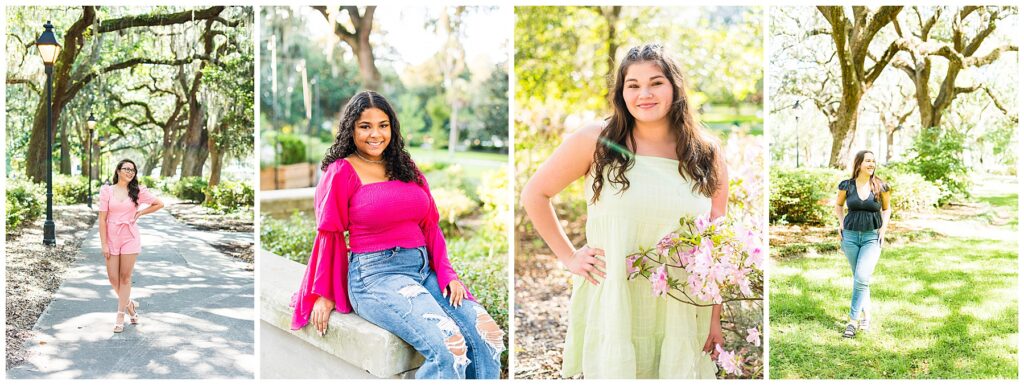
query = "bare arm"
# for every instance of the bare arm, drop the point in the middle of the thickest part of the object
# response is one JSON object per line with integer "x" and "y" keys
{"x": 886, "y": 213}
{"x": 103, "y": 233}
{"x": 719, "y": 207}
{"x": 153, "y": 207}
{"x": 570, "y": 161}
{"x": 839, "y": 210}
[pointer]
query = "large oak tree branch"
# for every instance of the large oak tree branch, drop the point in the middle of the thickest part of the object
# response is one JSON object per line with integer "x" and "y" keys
{"x": 118, "y": 24}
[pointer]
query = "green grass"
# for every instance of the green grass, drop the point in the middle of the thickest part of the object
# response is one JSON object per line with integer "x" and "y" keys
{"x": 431, "y": 155}
{"x": 944, "y": 308}
{"x": 474, "y": 164}
{"x": 1007, "y": 201}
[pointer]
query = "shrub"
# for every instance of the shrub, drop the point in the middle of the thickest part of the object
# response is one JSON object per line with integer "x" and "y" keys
{"x": 152, "y": 182}
{"x": 69, "y": 190}
{"x": 803, "y": 195}
{"x": 938, "y": 158}
{"x": 910, "y": 191}
{"x": 229, "y": 196}
{"x": 190, "y": 188}
{"x": 452, "y": 204}
{"x": 291, "y": 238}
{"x": 293, "y": 150}
{"x": 25, "y": 202}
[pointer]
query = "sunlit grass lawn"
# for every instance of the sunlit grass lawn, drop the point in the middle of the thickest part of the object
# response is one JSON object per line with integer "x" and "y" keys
{"x": 942, "y": 308}
{"x": 474, "y": 164}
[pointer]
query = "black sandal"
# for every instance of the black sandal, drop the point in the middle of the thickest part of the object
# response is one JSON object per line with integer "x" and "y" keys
{"x": 851, "y": 331}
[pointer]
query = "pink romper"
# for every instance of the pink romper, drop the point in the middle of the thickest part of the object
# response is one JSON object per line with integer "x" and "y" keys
{"x": 122, "y": 232}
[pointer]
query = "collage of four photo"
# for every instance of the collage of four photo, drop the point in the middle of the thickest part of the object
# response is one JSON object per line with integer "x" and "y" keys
{"x": 511, "y": 192}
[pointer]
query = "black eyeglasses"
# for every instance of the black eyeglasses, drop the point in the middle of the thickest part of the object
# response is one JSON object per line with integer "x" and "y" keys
{"x": 128, "y": 170}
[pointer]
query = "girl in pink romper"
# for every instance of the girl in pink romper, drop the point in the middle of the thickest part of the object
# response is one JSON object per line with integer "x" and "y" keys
{"x": 119, "y": 234}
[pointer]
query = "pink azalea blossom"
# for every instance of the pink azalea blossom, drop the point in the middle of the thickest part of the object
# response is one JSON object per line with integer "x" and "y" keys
{"x": 754, "y": 336}
{"x": 631, "y": 263}
{"x": 685, "y": 256}
{"x": 666, "y": 244}
{"x": 755, "y": 257}
{"x": 659, "y": 281}
{"x": 729, "y": 361}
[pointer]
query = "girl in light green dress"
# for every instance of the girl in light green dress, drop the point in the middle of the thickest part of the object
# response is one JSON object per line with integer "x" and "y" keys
{"x": 648, "y": 165}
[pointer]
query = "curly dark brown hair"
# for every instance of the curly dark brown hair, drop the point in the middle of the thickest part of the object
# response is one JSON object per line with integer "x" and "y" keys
{"x": 697, "y": 150}
{"x": 133, "y": 185}
{"x": 398, "y": 165}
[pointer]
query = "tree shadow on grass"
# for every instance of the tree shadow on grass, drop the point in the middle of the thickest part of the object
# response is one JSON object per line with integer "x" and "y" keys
{"x": 942, "y": 310}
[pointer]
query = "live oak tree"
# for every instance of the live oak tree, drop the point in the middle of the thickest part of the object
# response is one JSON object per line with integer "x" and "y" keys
{"x": 852, "y": 35}
{"x": 66, "y": 85}
{"x": 953, "y": 35}
{"x": 142, "y": 75}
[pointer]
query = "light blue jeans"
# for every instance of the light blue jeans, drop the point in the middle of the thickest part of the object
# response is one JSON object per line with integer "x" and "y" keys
{"x": 397, "y": 290}
{"x": 862, "y": 250}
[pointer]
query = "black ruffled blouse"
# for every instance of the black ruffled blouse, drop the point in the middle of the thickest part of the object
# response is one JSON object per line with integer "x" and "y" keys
{"x": 863, "y": 215}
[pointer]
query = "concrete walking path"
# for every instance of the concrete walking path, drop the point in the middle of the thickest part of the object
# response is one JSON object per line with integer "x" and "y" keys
{"x": 197, "y": 312}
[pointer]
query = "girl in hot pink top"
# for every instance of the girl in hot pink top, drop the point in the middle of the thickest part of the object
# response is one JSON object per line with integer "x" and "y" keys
{"x": 119, "y": 235}
{"x": 397, "y": 274}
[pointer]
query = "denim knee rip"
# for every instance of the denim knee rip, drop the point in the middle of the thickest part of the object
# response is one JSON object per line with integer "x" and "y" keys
{"x": 411, "y": 291}
{"x": 454, "y": 340}
{"x": 489, "y": 330}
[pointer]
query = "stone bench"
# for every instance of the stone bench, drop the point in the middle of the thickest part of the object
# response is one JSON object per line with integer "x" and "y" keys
{"x": 352, "y": 347}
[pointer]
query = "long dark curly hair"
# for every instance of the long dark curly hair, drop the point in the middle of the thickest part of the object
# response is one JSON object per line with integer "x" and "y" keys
{"x": 697, "y": 150}
{"x": 133, "y": 185}
{"x": 398, "y": 165}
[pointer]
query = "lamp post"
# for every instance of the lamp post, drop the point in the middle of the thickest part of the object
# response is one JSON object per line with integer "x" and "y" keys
{"x": 48, "y": 49}
{"x": 92, "y": 126}
{"x": 101, "y": 141}
{"x": 796, "y": 113}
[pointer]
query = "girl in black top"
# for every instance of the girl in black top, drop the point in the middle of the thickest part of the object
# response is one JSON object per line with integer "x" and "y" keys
{"x": 862, "y": 231}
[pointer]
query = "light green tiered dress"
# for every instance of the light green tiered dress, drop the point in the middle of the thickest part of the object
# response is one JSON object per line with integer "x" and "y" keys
{"x": 618, "y": 329}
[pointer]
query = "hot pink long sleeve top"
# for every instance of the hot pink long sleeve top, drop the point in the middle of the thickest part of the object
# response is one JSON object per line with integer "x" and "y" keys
{"x": 377, "y": 216}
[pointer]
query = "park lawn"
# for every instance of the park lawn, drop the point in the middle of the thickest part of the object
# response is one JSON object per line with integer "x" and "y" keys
{"x": 1005, "y": 205}
{"x": 474, "y": 164}
{"x": 943, "y": 308}
{"x": 433, "y": 155}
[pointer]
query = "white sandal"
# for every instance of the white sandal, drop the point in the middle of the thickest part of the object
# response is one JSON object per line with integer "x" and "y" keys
{"x": 133, "y": 316}
{"x": 119, "y": 327}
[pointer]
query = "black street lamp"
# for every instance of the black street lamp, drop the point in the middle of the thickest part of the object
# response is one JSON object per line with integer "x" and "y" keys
{"x": 48, "y": 49}
{"x": 92, "y": 126}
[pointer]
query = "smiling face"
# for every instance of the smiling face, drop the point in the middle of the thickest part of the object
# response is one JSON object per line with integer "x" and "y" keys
{"x": 864, "y": 164}
{"x": 647, "y": 92}
{"x": 372, "y": 133}
{"x": 126, "y": 171}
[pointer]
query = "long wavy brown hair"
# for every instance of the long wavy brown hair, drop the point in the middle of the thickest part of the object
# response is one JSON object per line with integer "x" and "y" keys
{"x": 875, "y": 181}
{"x": 697, "y": 150}
{"x": 133, "y": 185}
{"x": 398, "y": 165}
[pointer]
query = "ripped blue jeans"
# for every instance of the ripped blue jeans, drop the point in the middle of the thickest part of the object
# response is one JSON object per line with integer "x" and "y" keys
{"x": 397, "y": 290}
{"x": 862, "y": 250}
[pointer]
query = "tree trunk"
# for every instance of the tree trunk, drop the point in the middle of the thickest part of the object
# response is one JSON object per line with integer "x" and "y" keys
{"x": 65, "y": 150}
{"x": 216, "y": 156}
{"x": 358, "y": 39}
{"x": 195, "y": 132}
{"x": 843, "y": 130}
{"x": 367, "y": 66}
